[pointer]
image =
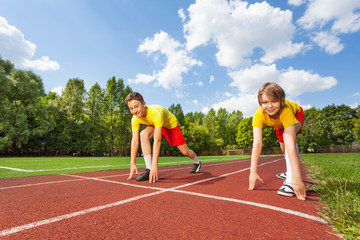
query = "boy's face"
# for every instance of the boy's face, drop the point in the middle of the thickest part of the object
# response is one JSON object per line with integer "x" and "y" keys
{"x": 137, "y": 108}
{"x": 271, "y": 106}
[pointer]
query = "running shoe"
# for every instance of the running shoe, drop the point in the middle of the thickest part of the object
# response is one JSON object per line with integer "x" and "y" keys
{"x": 144, "y": 176}
{"x": 286, "y": 190}
{"x": 195, "y": 168}
{"x": 281, "y": 175}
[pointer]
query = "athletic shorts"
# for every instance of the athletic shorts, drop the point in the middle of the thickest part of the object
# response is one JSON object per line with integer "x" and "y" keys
{"x": 174, "y": 135}
{"x": 300, "y": 117}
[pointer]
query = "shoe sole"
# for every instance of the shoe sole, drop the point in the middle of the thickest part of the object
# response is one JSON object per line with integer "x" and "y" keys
{"x": 280, "y": 177}
{"x": 286, "y": 194}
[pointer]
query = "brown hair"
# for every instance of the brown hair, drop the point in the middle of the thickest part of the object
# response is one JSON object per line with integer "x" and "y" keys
{"x": 272, "y": 90}
{"x": 134, "y": 96}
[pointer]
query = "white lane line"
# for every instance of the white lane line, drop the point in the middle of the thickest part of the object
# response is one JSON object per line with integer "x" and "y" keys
{"x": 39, "y": 184}
{"x": 104, "y": 166}
{"x": 159, "y": 191}
{"x": 74, "y": 214}
{"x": 117, "y": 175}
{"x": 16, "y": 169}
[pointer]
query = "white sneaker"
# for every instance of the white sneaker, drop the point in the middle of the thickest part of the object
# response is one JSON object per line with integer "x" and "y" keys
{"x": 286, "y": 190}
{"x": 281, "y": 175}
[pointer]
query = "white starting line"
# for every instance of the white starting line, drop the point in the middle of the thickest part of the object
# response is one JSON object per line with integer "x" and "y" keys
{"x": 158, "y": 191}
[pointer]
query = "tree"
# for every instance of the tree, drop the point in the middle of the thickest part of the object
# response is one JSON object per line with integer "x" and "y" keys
{"x": 210, "y": 123}
{"x": 340, "y": 123}
{"x": 94, "y": 120}
{"x": 72, "y": 102}
{"x": 178, "y": 112}
{"x": 244, "y": 136}
{"x": 231, "y": 127}
{"x": 198, "y": 138}
{"x": 356, "y": 128}
{"x": 117, "y": 117}
{"x": 19, "y": 107}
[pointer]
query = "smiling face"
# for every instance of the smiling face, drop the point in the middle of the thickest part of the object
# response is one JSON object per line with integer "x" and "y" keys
{"x": 137, "y": 108}
{"x": 271, "y": 106}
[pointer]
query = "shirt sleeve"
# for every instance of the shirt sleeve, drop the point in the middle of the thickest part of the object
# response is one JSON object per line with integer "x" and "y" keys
{"x": 135, "y": 124}
{"x": 258, "y": 118}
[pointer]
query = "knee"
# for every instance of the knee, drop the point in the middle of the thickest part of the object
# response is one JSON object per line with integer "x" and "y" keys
{"x": 144, "y": 136}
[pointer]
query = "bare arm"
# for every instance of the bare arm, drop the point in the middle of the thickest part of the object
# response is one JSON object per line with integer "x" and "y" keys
{"x": 290, "y": 141}
{"x": 255, "y": 155}
{"x": 156, "y": 152}
{"x": 133, "y": 153}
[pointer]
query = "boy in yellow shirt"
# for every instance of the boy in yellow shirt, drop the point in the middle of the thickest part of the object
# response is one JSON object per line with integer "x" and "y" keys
{"x": 287, "y": 119}
{"x": 161, "y": 122}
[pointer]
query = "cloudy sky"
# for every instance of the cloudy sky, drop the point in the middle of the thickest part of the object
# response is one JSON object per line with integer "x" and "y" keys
{"x": 201, "y": 54}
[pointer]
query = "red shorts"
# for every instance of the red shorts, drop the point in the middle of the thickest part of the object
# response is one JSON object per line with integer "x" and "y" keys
{"x": 174, "y": 136}
{"x": 300, "y": 117}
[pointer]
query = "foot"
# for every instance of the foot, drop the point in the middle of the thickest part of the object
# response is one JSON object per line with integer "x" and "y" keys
{"x": 281, "y": 175}
{"x": 195, "y": 168}
{"x": 144, "y": 176}
{"x": 286, "y": 190}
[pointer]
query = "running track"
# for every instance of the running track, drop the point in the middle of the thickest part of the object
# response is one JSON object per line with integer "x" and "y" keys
{"x": 212, "y": 204}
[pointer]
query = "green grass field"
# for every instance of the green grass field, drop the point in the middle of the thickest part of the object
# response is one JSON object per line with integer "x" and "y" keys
{"x": 24, "y": 167}
{"x": 337, "y": 180}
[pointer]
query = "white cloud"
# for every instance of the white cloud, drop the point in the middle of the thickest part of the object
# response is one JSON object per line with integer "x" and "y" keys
{"x": 58, "y": 90}
{"x": 227, "y": 94}
{"x": 344, "y": 14}
{"x": 356, "y": 94}
{"x": 178, "y": 60}
{"x": 330, "y": 18}
{"x": 355, "y": 105}
{"x": 200, "y": 83}
{"x": 142, "y": 78}
{"x": 205, "y": 110}
{"x": 212, "y": 78}
{"x": 238, "y": 29}
{"x": 297, "y": 82}
{"x": 306, "y": 107}
{"x": 182, "y": 15}
{"x": 195, "y": 102}
{"x": 329, "y": 42}
{"x": 14, "y": 47}
{"x": 246, "y": 103}
{"x": 179, "y": 94}
{"x": 42, "y": 64}
{"x": 250, "y": 79}
{"x": 296, "y": 2}
{"x": 294, "y": 82}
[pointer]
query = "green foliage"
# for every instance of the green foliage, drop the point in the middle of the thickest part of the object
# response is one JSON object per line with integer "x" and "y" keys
{"x": 244, "y": 136}
{"x": 337, "y": 178}
{"x": 332, "y": 125}
{"x": 356, "y": 128}
{"x": 98, "y": 122}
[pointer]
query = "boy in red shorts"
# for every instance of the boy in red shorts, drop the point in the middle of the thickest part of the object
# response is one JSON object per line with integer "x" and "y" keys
{"x": 160, "y": 123}
{"x": 287, "y": 118}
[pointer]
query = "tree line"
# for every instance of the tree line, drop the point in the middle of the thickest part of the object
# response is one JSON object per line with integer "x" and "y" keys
{"x": 98, "y": 122}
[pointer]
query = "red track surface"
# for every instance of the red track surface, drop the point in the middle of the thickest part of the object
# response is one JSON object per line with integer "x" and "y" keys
{"x": 212, "y": 204}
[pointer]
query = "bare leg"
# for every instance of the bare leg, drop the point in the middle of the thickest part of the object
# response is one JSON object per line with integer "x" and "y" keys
{"x": 145, "y": 136}
{"x": 186, "y": 151}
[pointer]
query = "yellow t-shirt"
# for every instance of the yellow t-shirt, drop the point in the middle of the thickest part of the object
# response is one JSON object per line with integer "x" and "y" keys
{"x": 285, "y": 119}
{"x": 157, "y": 116}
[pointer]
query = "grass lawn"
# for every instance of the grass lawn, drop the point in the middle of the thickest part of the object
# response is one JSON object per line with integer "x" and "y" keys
{"x": 337, "y": 180}
{"x": 28, "y": 166}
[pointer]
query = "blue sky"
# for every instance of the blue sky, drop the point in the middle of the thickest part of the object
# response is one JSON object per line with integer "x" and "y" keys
{"x": 202, "y": 54}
